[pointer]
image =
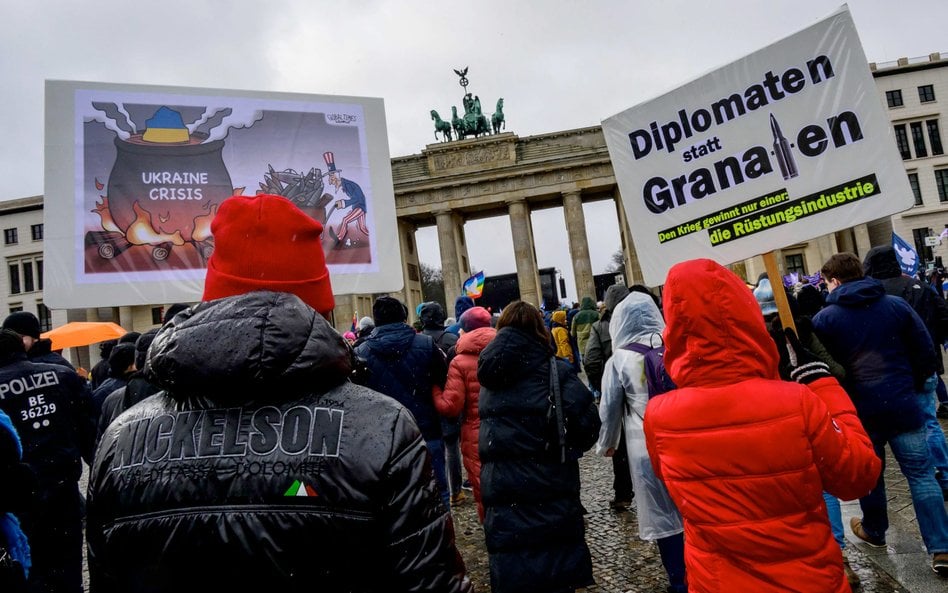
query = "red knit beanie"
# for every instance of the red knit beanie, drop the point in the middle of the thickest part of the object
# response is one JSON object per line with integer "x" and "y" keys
{"x": 475, "y": 318}
{"x": 264, "y": 242}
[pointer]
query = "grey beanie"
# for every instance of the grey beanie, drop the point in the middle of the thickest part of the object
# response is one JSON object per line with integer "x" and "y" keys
{"x": 614, "y": 295}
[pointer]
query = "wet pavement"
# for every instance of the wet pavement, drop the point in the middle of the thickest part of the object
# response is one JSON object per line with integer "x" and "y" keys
{"x": 621, "y": 561}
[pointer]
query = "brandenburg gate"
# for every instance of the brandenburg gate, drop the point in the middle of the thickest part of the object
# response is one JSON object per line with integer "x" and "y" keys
{"x": 500, "y": 174}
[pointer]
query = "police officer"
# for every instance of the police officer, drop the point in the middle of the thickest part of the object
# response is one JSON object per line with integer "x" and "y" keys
{"x": 50, "y": 406}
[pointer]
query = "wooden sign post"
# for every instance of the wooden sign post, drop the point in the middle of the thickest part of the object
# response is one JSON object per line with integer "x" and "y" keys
{"x": 780, "y": 294}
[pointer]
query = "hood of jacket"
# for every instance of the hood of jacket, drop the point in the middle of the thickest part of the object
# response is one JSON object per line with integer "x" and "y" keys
{"x": 588, "y": 313}
{"x": 256, "y": 345}
{"x": 390, "y": 340}
{"x": 715, "y": 332}
{"x": 558, "y": 317}
{"x": 41, "y": 347}
{"x": 614, "y": 295}
{"x": 881, "y": 262}
{"x": 474, "y": 341}
{"x": 510, "y": 356}
{"x": 432, "y": 315}
{"x": 856, "y": 293}
{"x": 462, "y": 304}
{"x": 636, "y": 319}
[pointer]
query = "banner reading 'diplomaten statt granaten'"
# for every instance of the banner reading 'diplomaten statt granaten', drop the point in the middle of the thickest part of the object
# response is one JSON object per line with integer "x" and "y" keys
{"x": 784, "y": 145}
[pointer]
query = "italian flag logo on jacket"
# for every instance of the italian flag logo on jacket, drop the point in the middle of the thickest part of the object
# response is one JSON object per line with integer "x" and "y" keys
{"x": 298, "y": 488}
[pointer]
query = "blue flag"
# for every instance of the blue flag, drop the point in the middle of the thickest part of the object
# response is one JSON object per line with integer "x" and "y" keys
{"x": 906, "y": 254}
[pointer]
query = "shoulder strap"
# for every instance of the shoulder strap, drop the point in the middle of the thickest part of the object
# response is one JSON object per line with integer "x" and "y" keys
{"x": 558, "y": 408}
{"x": 636, "y": 347}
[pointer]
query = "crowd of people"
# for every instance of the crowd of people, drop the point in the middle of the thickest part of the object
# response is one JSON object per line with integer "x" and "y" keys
{"x": 247, "y": 444}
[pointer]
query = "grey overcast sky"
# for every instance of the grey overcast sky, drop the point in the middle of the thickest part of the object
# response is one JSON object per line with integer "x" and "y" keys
{"x": 557, "y": 64}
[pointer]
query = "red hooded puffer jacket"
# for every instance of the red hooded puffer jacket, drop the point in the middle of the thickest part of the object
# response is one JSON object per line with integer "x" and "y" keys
{"x": 460, "y": 393}
{"x": 746, "y": 456}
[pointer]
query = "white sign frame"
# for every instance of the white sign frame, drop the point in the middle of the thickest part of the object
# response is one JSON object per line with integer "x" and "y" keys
{"x": 800, "y": 122}
{"x": 354, "y": 131}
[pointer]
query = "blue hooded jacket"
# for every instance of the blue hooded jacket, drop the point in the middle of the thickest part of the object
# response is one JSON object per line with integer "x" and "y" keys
{"x": 404, "y": 365}
{"x": 461, "y": 304}
{"x": 886, "y": 351}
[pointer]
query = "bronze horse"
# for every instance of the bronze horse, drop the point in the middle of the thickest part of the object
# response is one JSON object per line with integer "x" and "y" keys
{"x": 441, "y": 126}
{"x": 497, "y": 119}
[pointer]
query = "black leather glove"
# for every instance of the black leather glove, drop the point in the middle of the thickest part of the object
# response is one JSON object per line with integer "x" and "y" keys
{"x": 796, "y": 362}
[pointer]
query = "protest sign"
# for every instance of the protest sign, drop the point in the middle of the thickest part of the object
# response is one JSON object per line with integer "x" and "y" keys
{"x": 136, "y": 174}
{"x": 784, "y": 145}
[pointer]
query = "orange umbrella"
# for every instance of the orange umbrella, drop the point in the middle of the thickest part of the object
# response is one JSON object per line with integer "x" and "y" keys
{"x": 83, "y": 333}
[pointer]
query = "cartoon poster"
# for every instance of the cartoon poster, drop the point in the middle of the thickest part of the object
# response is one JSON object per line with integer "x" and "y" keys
{"x": 135, "y": 175}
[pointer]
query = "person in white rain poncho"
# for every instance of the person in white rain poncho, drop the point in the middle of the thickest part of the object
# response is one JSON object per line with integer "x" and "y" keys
{"x": 623, "y": 403}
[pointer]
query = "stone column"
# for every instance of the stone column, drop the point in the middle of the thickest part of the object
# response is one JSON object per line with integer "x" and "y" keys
{"x": 125, "y": 318}
{"x": 450, "y": 262}
{"x": 845, "y": 241}
{"x": 863, "y": 243}
{"x": 524, "y": 253}
{"x": 633, "y": 270}
{"x": 411, "y": 269}
{"x": 578, "y": 245}
{"x": 827, "y": 246}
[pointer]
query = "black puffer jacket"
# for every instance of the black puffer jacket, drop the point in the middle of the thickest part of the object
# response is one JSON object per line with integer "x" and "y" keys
{"x": 882, "y": 264}
{"x": 137, "y": 389}
{"x": 261, "y": 468}
{"x": 534, "y": 519}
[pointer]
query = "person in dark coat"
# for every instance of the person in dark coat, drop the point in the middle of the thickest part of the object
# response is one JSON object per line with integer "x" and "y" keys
{"x": 408, "y": 367}
{"x": 51, "y": 409}
{"x": 265, "y": 468}
{"x": 882, "y": 264}
{"x": 100, "y": 372}
{"x": 888, "y": 356}
{"x": 529, "y": 452}
{"x": 121, "y": 367}
{"x": 598, "y": 351}
{"x": 136, "y": 390}
{"x": 432, "y": 321}
{"x": 363, "y": 330}
{"x": 37, "y": 349}
{"x": 461, "y": 304}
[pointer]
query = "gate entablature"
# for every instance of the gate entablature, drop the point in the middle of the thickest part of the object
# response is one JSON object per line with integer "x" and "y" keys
{"x": 478, "y": 177}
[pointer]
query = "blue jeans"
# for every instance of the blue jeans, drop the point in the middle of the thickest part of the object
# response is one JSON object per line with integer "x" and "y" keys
{"x": 910, "y": 450}
{"x": 452, "y": 459}
{"x": 936, "y": 436}
{"x": 835, "y": 514}
{"x": 436, "y": 449}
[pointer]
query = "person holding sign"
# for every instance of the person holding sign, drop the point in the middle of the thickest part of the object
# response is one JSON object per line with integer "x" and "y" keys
{"x": 745, "y": 456}
{"x": 888, "y": 356}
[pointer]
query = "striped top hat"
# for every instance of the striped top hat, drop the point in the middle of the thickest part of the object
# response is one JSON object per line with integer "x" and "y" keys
{"x": 330, "y": 162}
